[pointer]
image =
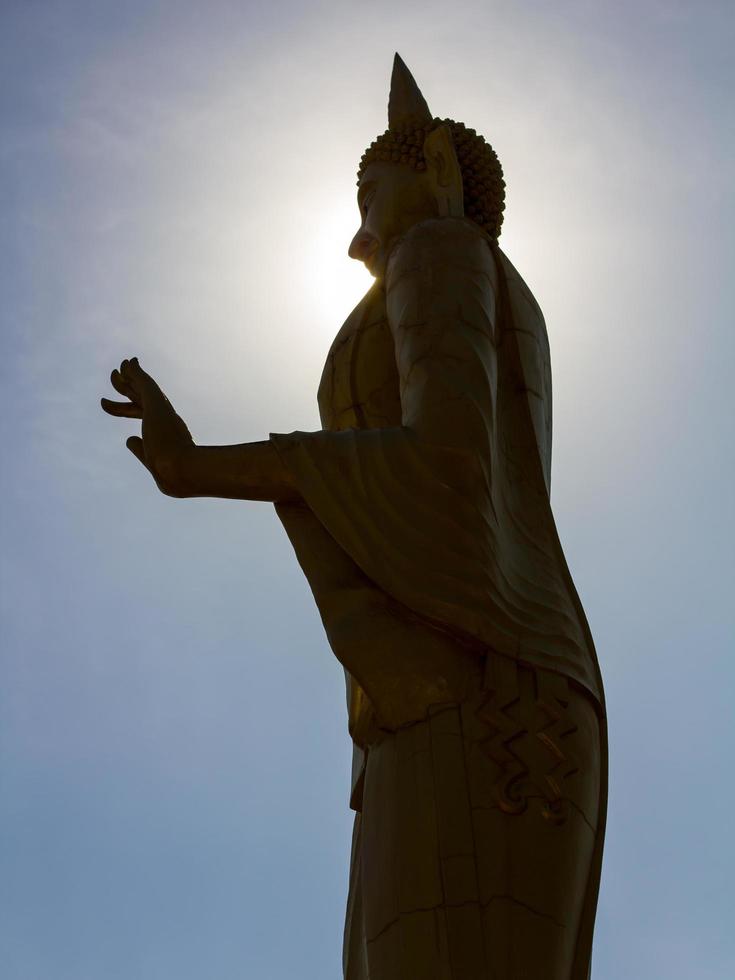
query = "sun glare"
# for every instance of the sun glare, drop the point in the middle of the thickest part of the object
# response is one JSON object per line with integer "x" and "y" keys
{"x": 333, "y": 282}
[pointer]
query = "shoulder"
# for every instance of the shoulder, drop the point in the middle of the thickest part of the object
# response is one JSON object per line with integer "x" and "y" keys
{"x": 518, "y": 288}
{"x": 442, "y": 242}
{"x": 440, "y": 231}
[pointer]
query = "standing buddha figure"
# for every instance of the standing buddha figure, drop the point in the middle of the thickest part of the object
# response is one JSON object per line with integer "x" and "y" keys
{"x": 420, "y": 515}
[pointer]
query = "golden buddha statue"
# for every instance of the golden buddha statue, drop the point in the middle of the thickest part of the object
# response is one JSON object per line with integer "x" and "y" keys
{"x": 420, "y": 515}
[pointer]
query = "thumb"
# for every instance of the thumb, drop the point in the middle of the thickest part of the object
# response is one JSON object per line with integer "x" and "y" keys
{"x": 135, "y": 445}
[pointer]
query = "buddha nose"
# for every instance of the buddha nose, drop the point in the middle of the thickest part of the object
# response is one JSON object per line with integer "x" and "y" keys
{"x": 362, "y": 246}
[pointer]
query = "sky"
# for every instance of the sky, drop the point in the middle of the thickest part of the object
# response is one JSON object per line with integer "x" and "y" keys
{"x": 178, "y": 183}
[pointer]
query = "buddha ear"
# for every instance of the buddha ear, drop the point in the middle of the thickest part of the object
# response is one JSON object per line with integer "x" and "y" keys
{"x": 442, "y": 168}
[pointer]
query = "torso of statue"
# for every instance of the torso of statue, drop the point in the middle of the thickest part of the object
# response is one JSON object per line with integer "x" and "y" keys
{"x": 359, "y": 388}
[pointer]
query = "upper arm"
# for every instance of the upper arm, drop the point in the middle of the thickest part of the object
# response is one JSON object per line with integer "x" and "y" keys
{"x": 441, "y": 288}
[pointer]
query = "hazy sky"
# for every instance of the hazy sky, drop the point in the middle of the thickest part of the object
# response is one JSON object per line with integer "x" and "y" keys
{"x": 178, "y": 183}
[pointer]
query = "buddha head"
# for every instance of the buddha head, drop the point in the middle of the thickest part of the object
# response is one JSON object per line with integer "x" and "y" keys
{"x": 422, "y": 167}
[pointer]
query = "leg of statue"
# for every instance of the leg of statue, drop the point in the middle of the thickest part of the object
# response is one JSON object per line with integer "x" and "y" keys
{"x": 354, "y": 951}
{"x": 476, "y": 847}
{"x": 535, "y": 796}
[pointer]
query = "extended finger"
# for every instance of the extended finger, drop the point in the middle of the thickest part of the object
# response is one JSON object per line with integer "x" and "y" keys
{"x": 123, "y": 410}
{"x": 131, "y": 369}
{"x": 134, "y": 375}
{"x": 139, "y": 378}
{"x": 121, "y": 386}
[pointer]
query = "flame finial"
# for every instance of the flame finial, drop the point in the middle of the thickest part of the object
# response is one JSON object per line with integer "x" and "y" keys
{"x": 406, "y": 104}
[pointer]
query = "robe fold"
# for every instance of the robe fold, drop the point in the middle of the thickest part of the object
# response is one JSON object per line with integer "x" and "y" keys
{"x": 438, "y": 489}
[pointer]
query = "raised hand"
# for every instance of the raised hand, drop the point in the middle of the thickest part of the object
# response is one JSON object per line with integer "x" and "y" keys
{"x": 166, "y": 440}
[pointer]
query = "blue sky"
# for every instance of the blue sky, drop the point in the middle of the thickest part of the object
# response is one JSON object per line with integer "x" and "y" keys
{"x": 178, "y": 183}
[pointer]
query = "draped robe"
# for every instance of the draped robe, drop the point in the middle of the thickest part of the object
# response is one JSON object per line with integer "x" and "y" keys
{"x": 425, "y": 528}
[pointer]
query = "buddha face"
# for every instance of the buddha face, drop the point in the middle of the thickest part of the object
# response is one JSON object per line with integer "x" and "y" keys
{"x": 392, "y": 198}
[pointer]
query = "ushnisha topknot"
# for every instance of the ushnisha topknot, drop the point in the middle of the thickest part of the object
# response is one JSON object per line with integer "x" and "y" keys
{"x": 410, "y": 122}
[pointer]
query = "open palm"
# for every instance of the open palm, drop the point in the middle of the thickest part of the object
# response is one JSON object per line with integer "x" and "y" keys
{"x": 165, "y": 436}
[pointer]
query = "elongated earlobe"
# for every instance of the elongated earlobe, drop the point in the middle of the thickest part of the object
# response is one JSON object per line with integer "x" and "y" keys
{"x": 442, "y": 167}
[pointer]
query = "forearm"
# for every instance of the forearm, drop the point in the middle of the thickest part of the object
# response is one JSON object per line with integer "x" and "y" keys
{"x": 250, "y": 471}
